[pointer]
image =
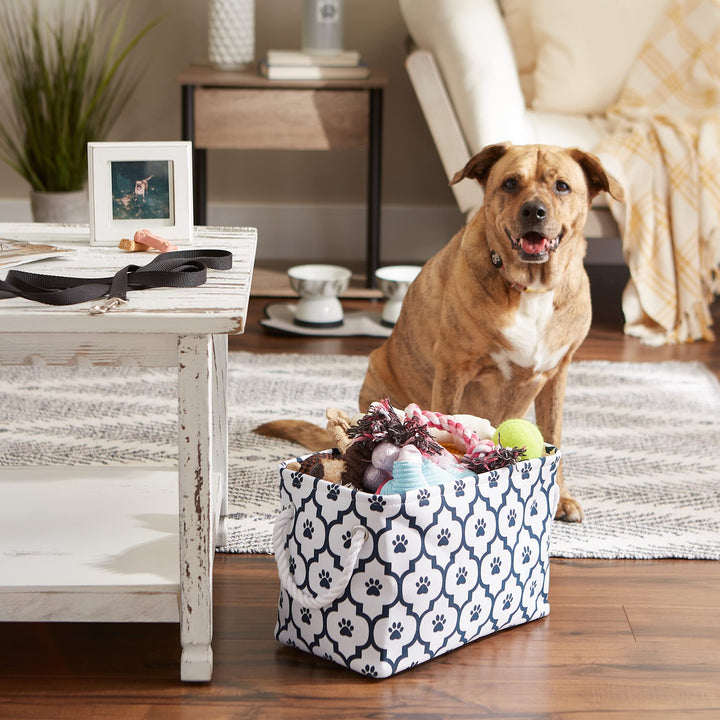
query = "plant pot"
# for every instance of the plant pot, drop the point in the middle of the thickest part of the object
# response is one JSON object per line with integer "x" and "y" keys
{"x": 69, "y": 208}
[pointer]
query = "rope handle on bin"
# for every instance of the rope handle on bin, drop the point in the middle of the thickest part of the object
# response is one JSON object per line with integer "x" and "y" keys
{"x": 282, "y": 559}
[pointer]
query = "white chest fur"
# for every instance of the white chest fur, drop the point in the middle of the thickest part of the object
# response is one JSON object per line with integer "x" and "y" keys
{"x": 527, "y": 336}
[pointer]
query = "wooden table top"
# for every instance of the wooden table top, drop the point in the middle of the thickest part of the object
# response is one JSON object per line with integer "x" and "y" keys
{"x": 217, "y": 307}
{"x": 208, "y": 76}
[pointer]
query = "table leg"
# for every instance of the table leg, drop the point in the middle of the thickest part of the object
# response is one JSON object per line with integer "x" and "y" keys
{"x": 220, "y": 436}
{"x": 196, "y": 427}
{"x": 374, "y": 185}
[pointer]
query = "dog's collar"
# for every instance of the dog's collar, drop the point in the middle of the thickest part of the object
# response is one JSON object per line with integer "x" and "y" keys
{"x": 497, "y": 262}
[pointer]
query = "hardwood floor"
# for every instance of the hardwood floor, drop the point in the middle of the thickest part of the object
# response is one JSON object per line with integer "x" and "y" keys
{"x": 628, "y": 640}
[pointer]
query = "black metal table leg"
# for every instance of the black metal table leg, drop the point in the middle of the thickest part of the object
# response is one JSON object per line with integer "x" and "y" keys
{"x": 374, "y": 185}
{"x": 199, "y": 156}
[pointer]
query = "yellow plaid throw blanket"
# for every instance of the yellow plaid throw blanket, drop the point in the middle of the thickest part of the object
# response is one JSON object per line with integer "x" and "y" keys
{"x": 665, "y": 150}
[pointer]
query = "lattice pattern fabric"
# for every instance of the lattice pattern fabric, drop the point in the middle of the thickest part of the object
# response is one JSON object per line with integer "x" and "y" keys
{"x": 666, "y": 142}
{"x": 380, "y": 583}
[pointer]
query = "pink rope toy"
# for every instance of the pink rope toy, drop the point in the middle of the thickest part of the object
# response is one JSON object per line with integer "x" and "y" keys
{"x": 475, "y": 447}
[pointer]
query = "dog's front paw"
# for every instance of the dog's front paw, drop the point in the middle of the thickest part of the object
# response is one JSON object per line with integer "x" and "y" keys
{"x": 569, "y": 510}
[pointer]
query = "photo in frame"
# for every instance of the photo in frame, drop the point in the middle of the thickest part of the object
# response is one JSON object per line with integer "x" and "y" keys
{"x": 140, "y": 186}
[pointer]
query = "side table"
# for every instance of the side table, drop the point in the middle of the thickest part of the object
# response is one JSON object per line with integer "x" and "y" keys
{"x": 93, "y": 543}
{"x": 245, "y": 111}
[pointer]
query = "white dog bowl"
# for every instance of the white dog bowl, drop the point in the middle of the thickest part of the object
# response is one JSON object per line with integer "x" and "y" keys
{"x": 394, "y": 281}
{"x": 318, "y": 287}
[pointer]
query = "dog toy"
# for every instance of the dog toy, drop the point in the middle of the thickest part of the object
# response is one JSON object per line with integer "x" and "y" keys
{"x": 520, "y": 433}
{"x": 412, "y": 471}
{"x": 381, "y": 435}
{"x": 498, "y": 458}
{"x": 407, "y": 468}
{"x": 348, "y": 468}
{"x": 449, "y": 439}
{"x": 393, "y": 451}
{"x": 406, "y": 472}
{"x": 321, "y": 465}
{"x": 472, "y": 445}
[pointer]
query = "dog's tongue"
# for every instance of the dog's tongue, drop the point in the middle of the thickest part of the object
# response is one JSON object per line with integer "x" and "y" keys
{"x": 533, "y": 243}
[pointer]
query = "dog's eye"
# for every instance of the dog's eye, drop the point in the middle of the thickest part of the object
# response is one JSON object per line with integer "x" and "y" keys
{"x": 510, "y": 184}
{"x": 561, "y": 187}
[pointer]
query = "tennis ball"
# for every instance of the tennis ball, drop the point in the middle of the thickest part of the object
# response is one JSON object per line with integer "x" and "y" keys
{"x": 517, "y": 433}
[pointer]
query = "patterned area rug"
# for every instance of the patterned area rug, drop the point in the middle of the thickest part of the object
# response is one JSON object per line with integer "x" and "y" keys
{"x": 640, "y": 441}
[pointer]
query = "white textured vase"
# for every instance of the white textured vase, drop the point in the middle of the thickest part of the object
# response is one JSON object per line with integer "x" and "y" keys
{"x": 231, "y": 37}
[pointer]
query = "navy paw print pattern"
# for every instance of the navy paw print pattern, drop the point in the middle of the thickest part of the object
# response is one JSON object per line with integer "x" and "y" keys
{"x": 440, "y": 566}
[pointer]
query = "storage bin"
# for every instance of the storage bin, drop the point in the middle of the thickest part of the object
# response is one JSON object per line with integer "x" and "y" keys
{"x": 379, "y": 583}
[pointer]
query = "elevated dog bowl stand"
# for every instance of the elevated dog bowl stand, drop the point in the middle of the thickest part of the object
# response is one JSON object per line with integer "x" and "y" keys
{"x": 123, "y": 543}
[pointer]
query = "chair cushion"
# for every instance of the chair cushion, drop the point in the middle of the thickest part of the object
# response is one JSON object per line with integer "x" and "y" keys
{"x": 585, "y": 49}
{"x": 579, "y": 131}
{"x": 517, "y": 14}
{"x": 471, "y": 45}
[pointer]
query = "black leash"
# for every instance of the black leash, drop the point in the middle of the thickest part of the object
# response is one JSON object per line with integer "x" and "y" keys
{"x": 181, "y": 269}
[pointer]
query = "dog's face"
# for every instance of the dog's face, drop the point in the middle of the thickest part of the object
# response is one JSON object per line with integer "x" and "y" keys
{"x": 536, "y": 197}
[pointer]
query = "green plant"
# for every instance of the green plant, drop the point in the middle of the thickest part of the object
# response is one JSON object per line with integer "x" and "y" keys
{"x": 67, "y": 80}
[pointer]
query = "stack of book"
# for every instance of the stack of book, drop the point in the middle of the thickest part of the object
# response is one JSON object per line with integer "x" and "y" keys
{"x": 298, "y": 65}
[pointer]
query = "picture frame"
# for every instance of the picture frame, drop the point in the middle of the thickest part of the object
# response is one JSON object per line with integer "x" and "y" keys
{"x": 140, "y": 186}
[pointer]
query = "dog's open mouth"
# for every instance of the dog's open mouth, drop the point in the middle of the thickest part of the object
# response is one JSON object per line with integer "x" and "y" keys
{"x": 534, "y": 246}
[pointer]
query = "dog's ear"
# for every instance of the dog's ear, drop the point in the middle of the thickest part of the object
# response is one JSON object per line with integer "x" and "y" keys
{"x": 598, "y": 179}
{"x": 478, "y": 166}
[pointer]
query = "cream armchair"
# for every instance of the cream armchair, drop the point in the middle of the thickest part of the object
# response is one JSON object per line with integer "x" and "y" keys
{"x": 527, "y": 71}
{"x": 636, "y": 82}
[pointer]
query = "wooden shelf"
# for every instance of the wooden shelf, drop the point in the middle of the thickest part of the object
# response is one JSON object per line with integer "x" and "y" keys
{"x": 72, "y": 538}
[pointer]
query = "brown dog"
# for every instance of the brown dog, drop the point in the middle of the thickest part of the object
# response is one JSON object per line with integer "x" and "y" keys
{"x": 493, "y": 320}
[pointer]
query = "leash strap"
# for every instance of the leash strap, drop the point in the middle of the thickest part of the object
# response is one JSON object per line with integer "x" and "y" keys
{"x": 181, "y": 269}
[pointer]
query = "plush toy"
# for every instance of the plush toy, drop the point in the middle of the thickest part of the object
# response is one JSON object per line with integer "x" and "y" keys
{"x": 321, "y": 465}
{"x": 343, "y": 470}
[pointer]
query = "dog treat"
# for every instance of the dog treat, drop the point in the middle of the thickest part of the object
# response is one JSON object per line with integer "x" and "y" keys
{"x": 154, "y": 241}
{"x": 131, "y": 246}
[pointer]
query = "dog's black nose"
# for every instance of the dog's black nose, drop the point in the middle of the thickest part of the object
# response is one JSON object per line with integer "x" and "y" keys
{"x": 533, "y": 210}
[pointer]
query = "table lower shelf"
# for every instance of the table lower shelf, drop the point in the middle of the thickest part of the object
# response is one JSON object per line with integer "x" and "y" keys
{"x": 89, "y": 544}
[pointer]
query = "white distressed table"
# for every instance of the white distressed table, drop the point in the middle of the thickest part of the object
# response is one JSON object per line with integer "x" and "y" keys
{"x": 126, "y": 544}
